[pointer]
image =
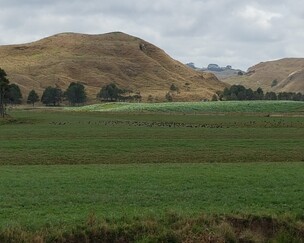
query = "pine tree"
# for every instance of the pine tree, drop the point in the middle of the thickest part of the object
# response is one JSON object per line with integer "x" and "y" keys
{"x": 32, "y": 97}
{"x": 76, "y": 93}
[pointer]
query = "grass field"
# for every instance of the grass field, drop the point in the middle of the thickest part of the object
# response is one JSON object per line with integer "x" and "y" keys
{"x": 127, "y": 169}
{"x": 199, "y": 107}
{"x": 39, "y": 195}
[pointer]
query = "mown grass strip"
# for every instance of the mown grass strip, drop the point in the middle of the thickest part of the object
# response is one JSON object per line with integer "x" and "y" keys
{"x": 192, "y": 107}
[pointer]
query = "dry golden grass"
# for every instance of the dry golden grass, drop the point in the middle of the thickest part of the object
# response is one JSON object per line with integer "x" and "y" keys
{"x": 294, "y": 82}
{"x": 96, "y": 60}
{"x": 289, "y": 73}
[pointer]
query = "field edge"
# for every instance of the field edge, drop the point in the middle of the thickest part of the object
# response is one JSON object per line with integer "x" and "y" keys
{"x": 171, "y": 227}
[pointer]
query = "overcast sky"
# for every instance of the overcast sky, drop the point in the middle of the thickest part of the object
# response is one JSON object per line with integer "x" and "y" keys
{"x": 235, "y": 32}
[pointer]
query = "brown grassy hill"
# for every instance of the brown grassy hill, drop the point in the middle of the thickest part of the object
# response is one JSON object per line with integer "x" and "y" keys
{"x": 284, "y": 71}
{"x": 294, "y": 82}
{"x": 96, "y": 60}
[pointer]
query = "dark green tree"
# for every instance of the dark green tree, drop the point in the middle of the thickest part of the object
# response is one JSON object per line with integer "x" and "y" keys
{"x": 4, "y": 84}
{"x": 285, "y": 96}
{"x": 75, "y": 93}
{"x": 258, "y": 94}
{"x": 235, "y": 92}
{"x": 51, "y": 96}
{"x": 239, "y": 92}
{"x": 13, "y": 95}
{"x": 271, "y": 96}
{"x": 32, "y": 97}
{"x": 226, "y": 94}
{"x": 110, "y": 92}
{"x": 298, "y": 97}
{"x": 249, "y": 94}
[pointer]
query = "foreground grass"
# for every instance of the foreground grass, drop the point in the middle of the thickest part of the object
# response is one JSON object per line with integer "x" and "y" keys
{"x": 93, "y": 176}
{"x": 40, "y": 195}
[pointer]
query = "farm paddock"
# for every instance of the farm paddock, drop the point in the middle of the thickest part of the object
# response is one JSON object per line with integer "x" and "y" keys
{"x": 152, "y": 175}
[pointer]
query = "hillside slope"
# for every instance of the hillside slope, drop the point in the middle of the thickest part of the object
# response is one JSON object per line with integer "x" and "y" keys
{"x": 96, "y": 60}
{"x": 294, "y": 82}
{"x": 287, "y": 72}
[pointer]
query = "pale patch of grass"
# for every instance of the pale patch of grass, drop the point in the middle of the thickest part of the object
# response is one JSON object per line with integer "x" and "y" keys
{"x": 198, "y": 107}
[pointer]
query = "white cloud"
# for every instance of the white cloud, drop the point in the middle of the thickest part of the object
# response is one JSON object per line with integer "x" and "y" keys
{"x": 235, "y": 32}
{"x": 257, "y": 16}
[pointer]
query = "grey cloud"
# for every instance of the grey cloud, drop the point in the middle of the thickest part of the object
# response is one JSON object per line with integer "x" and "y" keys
{"x": 240, "y": 33}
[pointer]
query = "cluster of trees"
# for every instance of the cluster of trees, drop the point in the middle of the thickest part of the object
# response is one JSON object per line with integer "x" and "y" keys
{"x": 239, "y": 92}
{"x": 53, "y": 96}
{"x": 11, "y": 94}
{"x": 112, "y": 92}
{"x": 75, "y": 95}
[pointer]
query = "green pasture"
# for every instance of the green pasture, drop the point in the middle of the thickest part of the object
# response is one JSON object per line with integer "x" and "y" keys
{"x": 60, "y": 166}
{"x": 199, "y": 107}
{"x": 60, "y": 137}
{"x": 37, "y": 196}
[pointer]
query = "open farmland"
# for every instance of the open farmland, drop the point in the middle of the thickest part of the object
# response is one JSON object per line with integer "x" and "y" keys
{"x": 67, "y": 172}
{"x": 199, "y": 107}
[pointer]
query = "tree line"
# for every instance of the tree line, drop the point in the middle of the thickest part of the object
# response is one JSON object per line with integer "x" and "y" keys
{"x": 75, "y": 94}
{"x": 239, "y": 92}
{"x": 10, "y": 94}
